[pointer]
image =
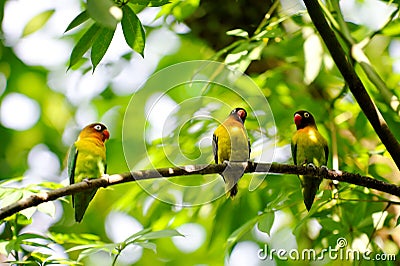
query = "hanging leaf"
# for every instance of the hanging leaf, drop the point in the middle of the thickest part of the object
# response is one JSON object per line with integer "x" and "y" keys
{"x": 160, "y": 234}
{"x": 133, "y": 30}
{"x": 101, "y": 45}
{"x": 104, "y": 12}
{"x": 37, "y": 22}
{"x": 78, "y": 20}
{"x": 84, "y": 43}
{"x": 266, "y": 221}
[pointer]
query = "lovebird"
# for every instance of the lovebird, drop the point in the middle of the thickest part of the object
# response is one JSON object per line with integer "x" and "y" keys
{"x": 231, "y": 143}
{"x": 308, "y": 147}
{"x": 86, "y": 160}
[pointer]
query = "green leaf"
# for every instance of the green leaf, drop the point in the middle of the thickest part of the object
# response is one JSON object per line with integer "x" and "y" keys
{"x": 238, "y": 33}
{"x": 101, "y": 45}
{"x": 269, "y": 33}
{"x": 80, "y": 247}
{"x": 266, "y": 221}
{"x": 110, "y": 248}
{"x": 12, "y": 197}
{"x": 84, "y": 43}
{"x": 160, "y": 234}
{"x": 393, "y": 29}
{"x": 31, "y": 236}
{"x": 137, "y": 235}
{"x": 28, "y": 213}
{"x": 179, "y": 9}
{"x": 238, "y": 233}
{"x": 153, "y": 3}
{"x": 78, "y": 20}
{"x": 47, "y": 208}
{"x": 147, "y": 245}
{"x": 37, "y": 22}
{"x": 133, "y": 30}
{"x": 104, "y": 12}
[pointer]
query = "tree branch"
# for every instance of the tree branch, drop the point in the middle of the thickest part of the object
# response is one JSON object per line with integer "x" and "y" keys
{"x": 356, "y": 86}
{"x": 252, "y": 167}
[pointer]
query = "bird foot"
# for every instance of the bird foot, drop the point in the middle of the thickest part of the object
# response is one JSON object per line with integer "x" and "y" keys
{"x": 311, "y": 166}
{"x": 228, "y": 163}
{"x": 106, "y": 177}
{"x": 323, "y": 170}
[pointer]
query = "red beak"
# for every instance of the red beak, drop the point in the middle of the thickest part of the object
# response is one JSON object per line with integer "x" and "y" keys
{"x": 106, "y": 134}
{"x": 297, "y": 119}
{"x": 241, "y": 114}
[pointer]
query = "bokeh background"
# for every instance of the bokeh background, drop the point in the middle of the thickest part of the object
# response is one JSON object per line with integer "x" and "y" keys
{"x": 43, "y": 106}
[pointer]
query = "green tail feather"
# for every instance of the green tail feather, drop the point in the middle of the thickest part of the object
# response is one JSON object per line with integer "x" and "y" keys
{"x": 233, "y": 191}
{"x": 81, "y": 202}
{"x": 310, "y": 186}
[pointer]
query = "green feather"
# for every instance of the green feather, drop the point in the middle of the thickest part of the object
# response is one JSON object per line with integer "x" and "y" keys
{"x": 309, "y": 146}
{"x": 231, "y": 143}
{"x": 86, "y": 160}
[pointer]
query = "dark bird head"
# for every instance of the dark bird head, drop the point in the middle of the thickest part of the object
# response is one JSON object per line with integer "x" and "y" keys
{"x": 239, "y": 114}
{"x": 96, "y": 130}
{"x": 303, "y": 118}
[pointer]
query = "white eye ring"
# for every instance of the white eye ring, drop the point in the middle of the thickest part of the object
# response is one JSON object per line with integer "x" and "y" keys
{"x": 306, "y": 115}
{"x": 97, "y": 127}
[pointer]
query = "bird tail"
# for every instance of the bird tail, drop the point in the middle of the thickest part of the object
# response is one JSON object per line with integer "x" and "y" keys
{"x": 81, "y": 202}
{"x": 310, "y": 186}
{"x": 232, "y": 173}
{"x": 233, "y": 191}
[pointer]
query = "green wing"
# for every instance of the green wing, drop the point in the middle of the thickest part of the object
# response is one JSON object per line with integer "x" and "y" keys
{"x": 215, "y": 148}
{"x": 326, "y": 149}
{"x": 73, "y": 155}
{"x": 294, "y": 152}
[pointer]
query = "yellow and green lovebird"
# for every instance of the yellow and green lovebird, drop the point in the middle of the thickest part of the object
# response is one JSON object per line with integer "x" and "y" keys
{"x": 308, "y": 147}
{"x": 87, "y": 159}
{"x": 231, "y": 143}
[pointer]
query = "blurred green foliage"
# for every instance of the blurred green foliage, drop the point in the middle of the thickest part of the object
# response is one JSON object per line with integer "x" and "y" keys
{"x": 281, "y": 53}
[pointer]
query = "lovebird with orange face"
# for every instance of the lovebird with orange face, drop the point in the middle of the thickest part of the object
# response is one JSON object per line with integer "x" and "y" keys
{"x": 86, "y": 160}
{"x": 231, "y": 143}
{"x": 308, "y": 147}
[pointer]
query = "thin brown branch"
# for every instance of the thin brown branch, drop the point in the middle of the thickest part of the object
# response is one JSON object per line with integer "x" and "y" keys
{"x": 356, "y": 86}
{"x": 252, "y": 167}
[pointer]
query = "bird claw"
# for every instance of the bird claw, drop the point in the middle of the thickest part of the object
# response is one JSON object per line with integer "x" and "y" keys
{"x": 106, "y": 177}
{"x": 324, "y": 170}
{"x": 311, "y": 166}
{"x": 228, "y": 163}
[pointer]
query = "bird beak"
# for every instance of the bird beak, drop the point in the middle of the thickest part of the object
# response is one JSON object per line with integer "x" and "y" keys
{"x": 297, "y": 119}
{"x": 106, "y": 135}
{"x": 241, "y": 114}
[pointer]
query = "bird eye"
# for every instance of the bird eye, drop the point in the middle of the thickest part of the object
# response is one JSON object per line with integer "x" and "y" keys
{"x": 97, "y": 127}
{"x": 306, "y": 115}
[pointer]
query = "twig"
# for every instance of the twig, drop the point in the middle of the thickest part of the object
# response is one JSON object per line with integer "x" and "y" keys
{"x": 252, "y": 167}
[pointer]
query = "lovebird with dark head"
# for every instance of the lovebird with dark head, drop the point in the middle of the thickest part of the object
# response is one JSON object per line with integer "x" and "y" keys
{"x": 308, "y": 147}
{"x": 87, "y": 160}
{"x": 231, "y": 143}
